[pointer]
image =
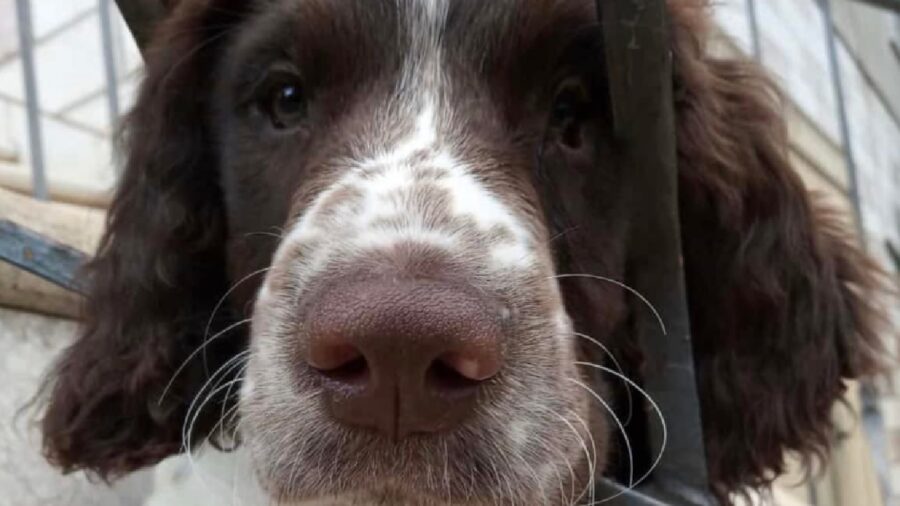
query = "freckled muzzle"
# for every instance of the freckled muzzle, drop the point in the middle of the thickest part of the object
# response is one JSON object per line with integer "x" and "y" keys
{"x": 403, "y": 356}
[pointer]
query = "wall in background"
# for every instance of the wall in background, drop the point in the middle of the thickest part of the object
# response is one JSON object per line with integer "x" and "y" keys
{"x": 792, "y": 46}
{"x": 72, "y": 92}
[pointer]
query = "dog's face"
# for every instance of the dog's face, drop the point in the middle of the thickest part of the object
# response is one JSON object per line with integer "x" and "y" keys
{"x": 366, "y": 214}
{"x": 411, "y": 306}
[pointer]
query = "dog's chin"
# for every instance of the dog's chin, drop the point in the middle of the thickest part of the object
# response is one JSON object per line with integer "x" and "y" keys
{"x": 425, "y": 484}
{"x": 396, "y": 493}
{"x": 411, "y": 489}
{"x": 391, "y": 495}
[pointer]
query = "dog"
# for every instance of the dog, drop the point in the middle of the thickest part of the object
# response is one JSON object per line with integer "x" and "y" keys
{"x": 365, "y": 241}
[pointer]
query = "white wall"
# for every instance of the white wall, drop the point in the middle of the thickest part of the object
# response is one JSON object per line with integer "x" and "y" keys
{"x": 71, "y": 89}
{"x": 793, "y": 48}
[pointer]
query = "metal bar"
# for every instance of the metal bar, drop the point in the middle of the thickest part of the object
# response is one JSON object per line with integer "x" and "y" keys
{"x": 109, "y": 63}
{"x": 142, "y": 18}
{"x": 837, "y": 83}
{"x": 753, "y": 19}
{"x": 41, "y": 256}
{"x": 52, "y": 34}
{"x": 56, "y": 116}
{"x": 622, "y": 496}
{"x": 639, "y": 69}
{"x": 32, "y": 102}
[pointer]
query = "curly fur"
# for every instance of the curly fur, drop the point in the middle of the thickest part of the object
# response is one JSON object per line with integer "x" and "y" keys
{"x": 156, "y": 277}
{"x": 779, "y": 292}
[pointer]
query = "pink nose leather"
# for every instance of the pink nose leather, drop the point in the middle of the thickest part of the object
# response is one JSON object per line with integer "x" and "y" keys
{"x": 405, "y": 356}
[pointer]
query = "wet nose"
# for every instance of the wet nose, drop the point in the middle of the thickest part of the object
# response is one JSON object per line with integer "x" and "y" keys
{"x": 403, "y": 357}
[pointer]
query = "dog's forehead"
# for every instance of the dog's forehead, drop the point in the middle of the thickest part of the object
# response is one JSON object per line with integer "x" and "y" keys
{"x": 478, "y": 29}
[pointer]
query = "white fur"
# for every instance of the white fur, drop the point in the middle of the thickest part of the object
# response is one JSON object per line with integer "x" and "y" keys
{"x": 208, "y": 478}
{"x": 387, "y": 176}
{"x": 423, "y": 138}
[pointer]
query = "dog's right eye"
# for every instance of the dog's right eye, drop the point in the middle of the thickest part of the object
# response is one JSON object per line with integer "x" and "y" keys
{"x": 283, "y": 101}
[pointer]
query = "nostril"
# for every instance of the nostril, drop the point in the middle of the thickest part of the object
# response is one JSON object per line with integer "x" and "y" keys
{"x": 458, "y": 372}
{"x": 443, "y": 378}
{"x": 476, "y": 366}
{"x": 340, "y": 362}
{"x": 354, "y": 372}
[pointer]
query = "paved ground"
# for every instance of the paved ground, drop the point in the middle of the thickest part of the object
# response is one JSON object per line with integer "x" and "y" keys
{"x": 28, "y": 344}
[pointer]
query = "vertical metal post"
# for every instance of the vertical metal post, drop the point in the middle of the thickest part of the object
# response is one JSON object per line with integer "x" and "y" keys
{"x": 638, "y": 57}
{"x": 109, "y": 62}
{"x": 32, "y": 102}
{"x": 849, "y": 156}
{"x": 844, "y": 122}
{"x": 754, "y": 29}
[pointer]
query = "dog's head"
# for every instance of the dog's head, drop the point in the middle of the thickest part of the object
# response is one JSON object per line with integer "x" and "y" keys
{"x": 363, "y": 212}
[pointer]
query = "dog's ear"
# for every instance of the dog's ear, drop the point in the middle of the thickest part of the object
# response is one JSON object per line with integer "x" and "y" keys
{"x": 780, "y": 295}
{"x": 158, "y": 274}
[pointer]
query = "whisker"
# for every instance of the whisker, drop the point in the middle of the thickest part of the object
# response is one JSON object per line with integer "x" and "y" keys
{"x": 209, "y": 397}
{"x": 189, "y": 451}
{"x": 591, "y": 460}
{"x": 618, "y": 366}
{"x": 511, "y": 458}
{"x": 232, "y": 412}
{"x": 559, "y": 479}
{"x": 562, "y": 234}
{"x": 655, "y": 406}
{"x": 223, "y": 370}
{"x": 572, "y": 498}
{"x": 621, "y": 429}
{"x": 622, "y": 285}
{"x": 221, "y": 301}
{"x": 277, "y": 234}
{"x": 188, "y": 425}
{"x": 231, "y": 415}
{"x": 194, "y": 354}
{"x": 190, "y": 421}
{"x": 587, "y": 431}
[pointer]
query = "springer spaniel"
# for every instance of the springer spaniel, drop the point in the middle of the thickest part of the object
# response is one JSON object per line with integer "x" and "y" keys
{"x": 333, "y": 244}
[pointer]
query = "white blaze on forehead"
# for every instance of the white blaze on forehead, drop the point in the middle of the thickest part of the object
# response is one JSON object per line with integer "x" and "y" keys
{"x": 472, "y": 199}
{"x": 423, "y": 137}
{"x": 386, "y": 179}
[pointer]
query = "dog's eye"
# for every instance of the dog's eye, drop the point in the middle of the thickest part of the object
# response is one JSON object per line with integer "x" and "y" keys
{"x": 570, "y": 108}
{"x": 284, "y": 102}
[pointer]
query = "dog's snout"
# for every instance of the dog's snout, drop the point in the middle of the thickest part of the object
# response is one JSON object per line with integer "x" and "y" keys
{"x": 403, "y": 356}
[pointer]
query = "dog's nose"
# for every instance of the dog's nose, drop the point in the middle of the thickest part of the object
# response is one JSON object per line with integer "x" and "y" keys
{"x": 403, "y": 357}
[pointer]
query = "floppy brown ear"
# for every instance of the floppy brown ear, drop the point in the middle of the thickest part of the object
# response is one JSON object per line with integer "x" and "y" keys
{"x": 780, "y": 295}
{"x": 157, "y": 275}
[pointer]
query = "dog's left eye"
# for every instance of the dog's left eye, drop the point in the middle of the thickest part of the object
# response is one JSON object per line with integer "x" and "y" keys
{"x": 284, "y": 101}
{"x": 570, "y": 109}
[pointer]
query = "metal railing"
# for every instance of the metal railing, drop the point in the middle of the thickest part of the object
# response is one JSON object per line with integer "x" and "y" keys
{"x": 40, "y": 186}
